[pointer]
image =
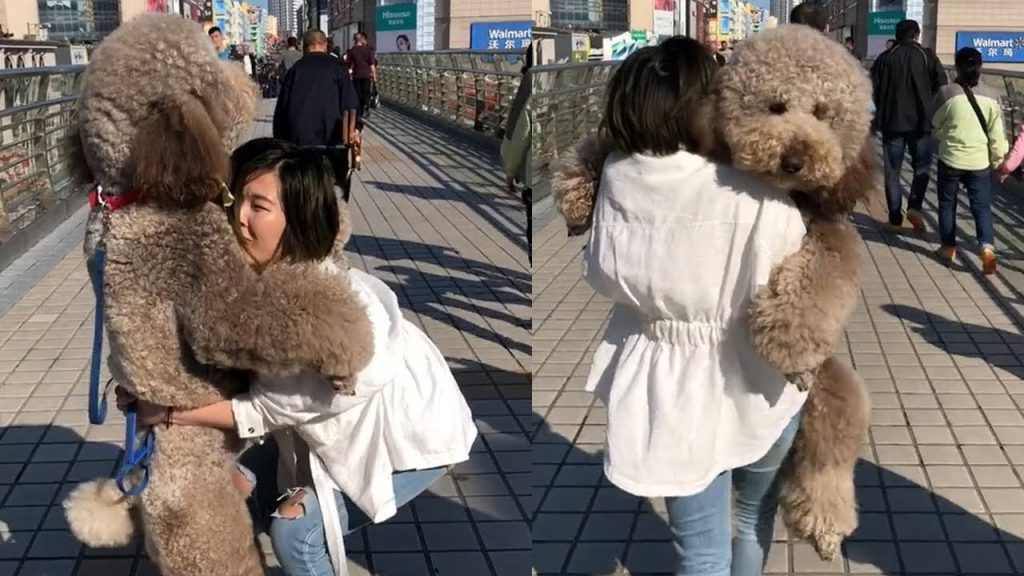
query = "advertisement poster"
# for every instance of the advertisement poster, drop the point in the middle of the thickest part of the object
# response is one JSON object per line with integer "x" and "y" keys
{"x": 1001, "y": 47}
{"x": 664, "y": 17}
{"x": 156, "y": 5}
{"x": 396, "y": 28}
{"x": 500, "y": 35}
{"x": 580, "y": 47}
{"x": 882, "y": 27}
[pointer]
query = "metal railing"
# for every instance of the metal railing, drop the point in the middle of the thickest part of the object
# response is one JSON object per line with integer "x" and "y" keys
{"x": 567, "y": 104}
{"x": 469, "y": 89}
{"x": 35, "y": 114}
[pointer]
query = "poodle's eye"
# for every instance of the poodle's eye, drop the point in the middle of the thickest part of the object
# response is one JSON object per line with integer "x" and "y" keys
{"x": 777, "y": 108}
{"x": 820, "y": 111}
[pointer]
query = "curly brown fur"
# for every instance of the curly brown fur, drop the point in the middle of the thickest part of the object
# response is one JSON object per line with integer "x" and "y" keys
{"x": 816, "y": 483}
{"x": 574, "y": 189}
{"x": 162, "y": 126}
{"x": 811, "y": 113}
{"x": 178, "y": 124}
{"x": 798, "y": 317}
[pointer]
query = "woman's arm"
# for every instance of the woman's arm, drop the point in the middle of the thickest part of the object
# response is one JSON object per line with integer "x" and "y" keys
{"x": 217, "y": 415}
{"x": 1016, "y": 156}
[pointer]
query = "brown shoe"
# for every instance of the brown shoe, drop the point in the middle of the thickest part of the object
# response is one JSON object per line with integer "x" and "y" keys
{"x": 988, "y": 260}
{"x": 947, "y": 254}
{"x": 917, "y": 221}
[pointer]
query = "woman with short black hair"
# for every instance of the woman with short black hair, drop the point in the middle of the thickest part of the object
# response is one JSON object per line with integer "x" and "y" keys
{"x": 346, "y": 460}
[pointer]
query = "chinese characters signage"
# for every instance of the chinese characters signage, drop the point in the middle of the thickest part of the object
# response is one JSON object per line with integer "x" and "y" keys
{"x": 1005, "y": 47}
{"x": 500, "y": 35}
{"x": 396, "y": 28}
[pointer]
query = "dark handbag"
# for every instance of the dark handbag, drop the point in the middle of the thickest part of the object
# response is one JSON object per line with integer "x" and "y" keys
{"x": 374, "y": 96}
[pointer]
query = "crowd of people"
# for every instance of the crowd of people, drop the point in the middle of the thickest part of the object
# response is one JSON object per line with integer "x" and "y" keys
{"x": 961, "y": 123}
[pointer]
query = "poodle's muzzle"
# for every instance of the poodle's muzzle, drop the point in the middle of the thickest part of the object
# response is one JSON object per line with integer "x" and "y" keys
{"x": 796, "y": 151}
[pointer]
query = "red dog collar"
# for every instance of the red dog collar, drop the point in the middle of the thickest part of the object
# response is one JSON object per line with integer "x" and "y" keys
{"x": 112, "y": 202}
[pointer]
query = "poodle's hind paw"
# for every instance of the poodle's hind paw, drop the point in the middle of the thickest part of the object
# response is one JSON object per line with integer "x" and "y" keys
{"x": 818, "y": 505}
{"x": 827, "y": 545}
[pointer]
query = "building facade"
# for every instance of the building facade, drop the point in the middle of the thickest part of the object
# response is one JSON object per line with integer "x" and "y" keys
{"x": 284, "y": 11}
{"x": 780, "y": 9}
{"x": 79, "y": 20}
{"x": 597, "y": 15}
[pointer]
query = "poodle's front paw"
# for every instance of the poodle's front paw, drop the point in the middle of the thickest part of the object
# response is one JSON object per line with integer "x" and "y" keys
{"x": 803, "y": 380}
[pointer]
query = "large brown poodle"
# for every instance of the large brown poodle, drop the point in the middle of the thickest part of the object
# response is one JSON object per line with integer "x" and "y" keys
{"x": 792, "y": 106}
{"x": 157, "y": 114}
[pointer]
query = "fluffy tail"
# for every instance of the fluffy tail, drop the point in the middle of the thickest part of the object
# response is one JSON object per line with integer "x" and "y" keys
{"x": 99, "y": 514}
{"x": 574, "y": 189}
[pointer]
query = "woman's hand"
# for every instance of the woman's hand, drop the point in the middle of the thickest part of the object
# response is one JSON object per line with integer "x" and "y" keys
{"x": 1002, "y": 173}
{"x": 147, "y": 413}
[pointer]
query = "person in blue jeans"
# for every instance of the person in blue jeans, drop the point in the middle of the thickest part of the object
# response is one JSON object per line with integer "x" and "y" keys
{"x": 299, "y": 541}
{"x": 972, "y": 142}
{"x": 700, "y": 524}
{"x": 906, "y": 80}
{"x": 693, "y": 410}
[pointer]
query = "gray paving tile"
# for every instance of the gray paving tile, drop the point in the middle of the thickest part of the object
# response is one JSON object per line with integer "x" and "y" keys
{"x": 449, "y": 537}
{"x": 457, "y": 563}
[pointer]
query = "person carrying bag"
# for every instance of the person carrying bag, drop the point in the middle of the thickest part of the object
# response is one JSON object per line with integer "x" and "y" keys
{"x": 967, "y": 156}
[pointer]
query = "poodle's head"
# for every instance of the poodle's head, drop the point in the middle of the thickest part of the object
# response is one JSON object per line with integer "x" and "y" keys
{"x": 793, "y": 106}
{"x": 159, "y": 111}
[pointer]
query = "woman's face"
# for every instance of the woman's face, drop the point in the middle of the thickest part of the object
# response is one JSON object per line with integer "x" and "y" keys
{"x": 403, "y": 44}
{"x": 261, "y": 219}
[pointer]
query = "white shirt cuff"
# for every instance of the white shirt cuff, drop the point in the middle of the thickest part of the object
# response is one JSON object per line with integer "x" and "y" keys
{"x": 248, "y": 420}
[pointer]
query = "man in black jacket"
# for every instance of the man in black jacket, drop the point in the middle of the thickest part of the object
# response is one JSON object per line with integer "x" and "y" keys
{"x": 906, "y": 80}
{"x": 318, "y": 107}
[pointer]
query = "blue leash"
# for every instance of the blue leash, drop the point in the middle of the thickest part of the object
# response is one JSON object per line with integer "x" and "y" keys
{"x": 132, "y": 458}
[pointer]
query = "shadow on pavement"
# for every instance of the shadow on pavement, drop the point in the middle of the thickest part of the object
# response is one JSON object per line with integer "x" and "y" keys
{"x": 995, "y": 345}
{"x": 464, "y": 283}
{"x": 906, "y": 528}
{"x": 584, "y": 525}
{"x": 40, "y": 465}
{"x": 464, "y": 171}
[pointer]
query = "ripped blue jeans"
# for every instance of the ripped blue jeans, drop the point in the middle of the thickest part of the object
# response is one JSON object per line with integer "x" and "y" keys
{"x": 300, "y": 544}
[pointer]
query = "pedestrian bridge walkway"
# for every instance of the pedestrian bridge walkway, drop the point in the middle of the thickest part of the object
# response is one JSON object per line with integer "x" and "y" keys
{"x": 940, "y": 481}
{"x": 433, "y": 220}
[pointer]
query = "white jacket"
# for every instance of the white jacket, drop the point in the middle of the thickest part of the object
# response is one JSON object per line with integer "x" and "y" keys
{"x": 408, "y": 413}
{"x": 681, "y": 246}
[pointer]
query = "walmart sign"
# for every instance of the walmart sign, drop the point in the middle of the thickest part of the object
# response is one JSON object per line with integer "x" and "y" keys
{"x": 1005, "y": 47}
{"x": 500, "y": 35}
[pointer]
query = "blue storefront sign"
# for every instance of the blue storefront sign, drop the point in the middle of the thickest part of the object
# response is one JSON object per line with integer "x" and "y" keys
{"x": 500, "y": 35}
{"x": 1004, "y": 47}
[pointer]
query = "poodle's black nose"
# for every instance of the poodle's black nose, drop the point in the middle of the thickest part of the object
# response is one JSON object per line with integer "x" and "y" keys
{"x": 791, "y": 164}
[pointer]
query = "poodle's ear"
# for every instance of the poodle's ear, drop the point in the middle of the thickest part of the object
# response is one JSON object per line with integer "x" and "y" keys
{"x": 858, "y": 184}
{"x": 178, "y": 157}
